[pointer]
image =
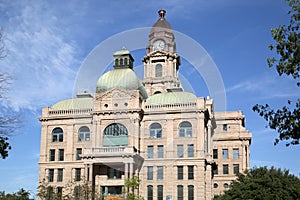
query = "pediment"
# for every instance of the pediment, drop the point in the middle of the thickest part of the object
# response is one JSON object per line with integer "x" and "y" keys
{"x": 158, "y": 53}
{"x": 116, "y": 93}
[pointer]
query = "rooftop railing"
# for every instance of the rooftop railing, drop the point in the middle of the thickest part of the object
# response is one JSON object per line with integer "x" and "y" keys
{"x": 173, "y": 106}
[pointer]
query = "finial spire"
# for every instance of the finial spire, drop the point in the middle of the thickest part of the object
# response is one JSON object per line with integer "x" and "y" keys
{"x": 162, "y": 13}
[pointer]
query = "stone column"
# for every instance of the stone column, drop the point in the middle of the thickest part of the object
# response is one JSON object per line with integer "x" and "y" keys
{"x": 126, "y": 171}
{"x": 209, "y": 137}
{"x": 244, "y": 156}
{"x": 131, "y": 170}
{"x": 208, "y": 181}
{"x": 91, "y": 172}
{"x": 86, "y": 172}
{"x": 43, "y": 145}
{"x": 94, "y": 133}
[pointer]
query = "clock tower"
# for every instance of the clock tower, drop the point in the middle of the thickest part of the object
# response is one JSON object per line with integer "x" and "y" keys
{"x": 161, "y": 62}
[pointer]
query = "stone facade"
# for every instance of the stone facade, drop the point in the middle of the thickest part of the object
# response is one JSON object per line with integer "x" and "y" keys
{"x": 172, "y": 140}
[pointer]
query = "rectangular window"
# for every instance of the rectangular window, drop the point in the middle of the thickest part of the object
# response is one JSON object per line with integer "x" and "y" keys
{"x": 190, "y": 150}
{"x": 160, "y": 173}
{"x": 77, "y": 174}
{"x": 150, "y": 151}
{"x": 225, "y": 127}
{"x": 160, "y": 192}
{"x": 85, "y": 136}
{"x": 225, "y": 169}
{"x": 179, "y": 151}
{"x": 181, "y": 133}
{"x": 52, "y": 155}
{"x": 160, "y": 151}
{"x": 190, "y": 172}
{"x": 149, "y": 173}
{"x": 50, "y": 175}
{"x": 215, "y": 154}
{"x": 78, "y": 153}
{"x": 57, "y": 137}
{"x": 180, "y": 172}
{"x": 190, "y": 192}
{"x": 179, "y": 192}
{"x": 59, "y": 192}
{"x": 149, "y": 192}
{"x": 235, "y": 153}
{"x": 61, "y": 155}
{"x": 236, "y": 168}
{"x": 216, "y": 171}
{"x": 59, "y": 175}
{"x": 225, "y": 153}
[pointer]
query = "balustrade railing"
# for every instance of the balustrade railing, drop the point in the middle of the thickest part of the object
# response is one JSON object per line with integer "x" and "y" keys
{"x": 70, "y": 112}
{"x": 107, "y": 150}
{"x": 173, "y": 106}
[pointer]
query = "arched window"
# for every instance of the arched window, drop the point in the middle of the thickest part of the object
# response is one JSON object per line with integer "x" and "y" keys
{"x": 149, "y": 192}
{"x": 190, "y": 192}
{"x": 115, "y": 129}
{"x": 121, "y": 61}
{"x": 115, "y": 135}
{"x": 116, "y": 62}
{"x": 84, "y": 134}
{"x": 125, "y": 61}
{"x": 179, "y": 192}
{"x": 185, "y": 129}
{"x": 57, "y": 135}
{"x": 155, "y": 130}
{"x": 158, "y": 70}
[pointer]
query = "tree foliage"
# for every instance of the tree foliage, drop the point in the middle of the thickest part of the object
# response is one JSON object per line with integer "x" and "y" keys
{"x": 20, "y": 195}
{"x": 82, "y": 190}
{"x": 286, "y": 121}
{"x": 8, "y": 120}
{"x": 263, "y": 183}
{"x": 133, "y": 184}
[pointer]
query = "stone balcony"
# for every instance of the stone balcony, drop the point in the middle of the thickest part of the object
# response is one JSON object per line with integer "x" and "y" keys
{"x": 109, "y": 151}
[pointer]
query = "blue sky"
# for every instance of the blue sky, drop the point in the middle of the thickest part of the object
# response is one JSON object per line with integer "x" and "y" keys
{"x": 48, "y": 41}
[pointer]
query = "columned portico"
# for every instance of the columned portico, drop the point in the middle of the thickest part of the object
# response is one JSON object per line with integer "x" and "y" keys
{"x": 107, "y": 168}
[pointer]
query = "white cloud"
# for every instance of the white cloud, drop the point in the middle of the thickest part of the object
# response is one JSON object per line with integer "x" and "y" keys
{"x": 266, "y": 86}
{"x": 40, "y": 57}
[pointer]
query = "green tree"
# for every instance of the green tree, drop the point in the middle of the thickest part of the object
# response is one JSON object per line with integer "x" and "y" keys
{"x": 20, "y": 195}
{"x": 8, "y": 121}
{"x": 74, "y": 190}
{"x": 286, "y": 120}
{"x": 263, "y": 183}
{"x": 133, "y": 184}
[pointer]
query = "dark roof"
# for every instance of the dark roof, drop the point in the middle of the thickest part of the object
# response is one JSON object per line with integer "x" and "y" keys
{"x": 161, "y": 22}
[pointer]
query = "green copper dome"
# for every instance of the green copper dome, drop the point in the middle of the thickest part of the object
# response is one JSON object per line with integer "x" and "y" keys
{"x": 122, "y": 79}
{"x": 124, "y": 51}
{"x": 76, "y": 103}
{"x": 171, "y": 97}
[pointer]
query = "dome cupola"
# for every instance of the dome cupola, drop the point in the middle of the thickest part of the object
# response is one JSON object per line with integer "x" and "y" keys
{"x": 122, "y": 76}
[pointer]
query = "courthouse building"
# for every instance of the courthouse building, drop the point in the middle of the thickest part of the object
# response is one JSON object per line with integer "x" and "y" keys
{"x": 174, "y": 141}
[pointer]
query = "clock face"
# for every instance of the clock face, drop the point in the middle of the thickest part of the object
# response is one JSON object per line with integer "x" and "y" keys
{"x": 158, "y": 45}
